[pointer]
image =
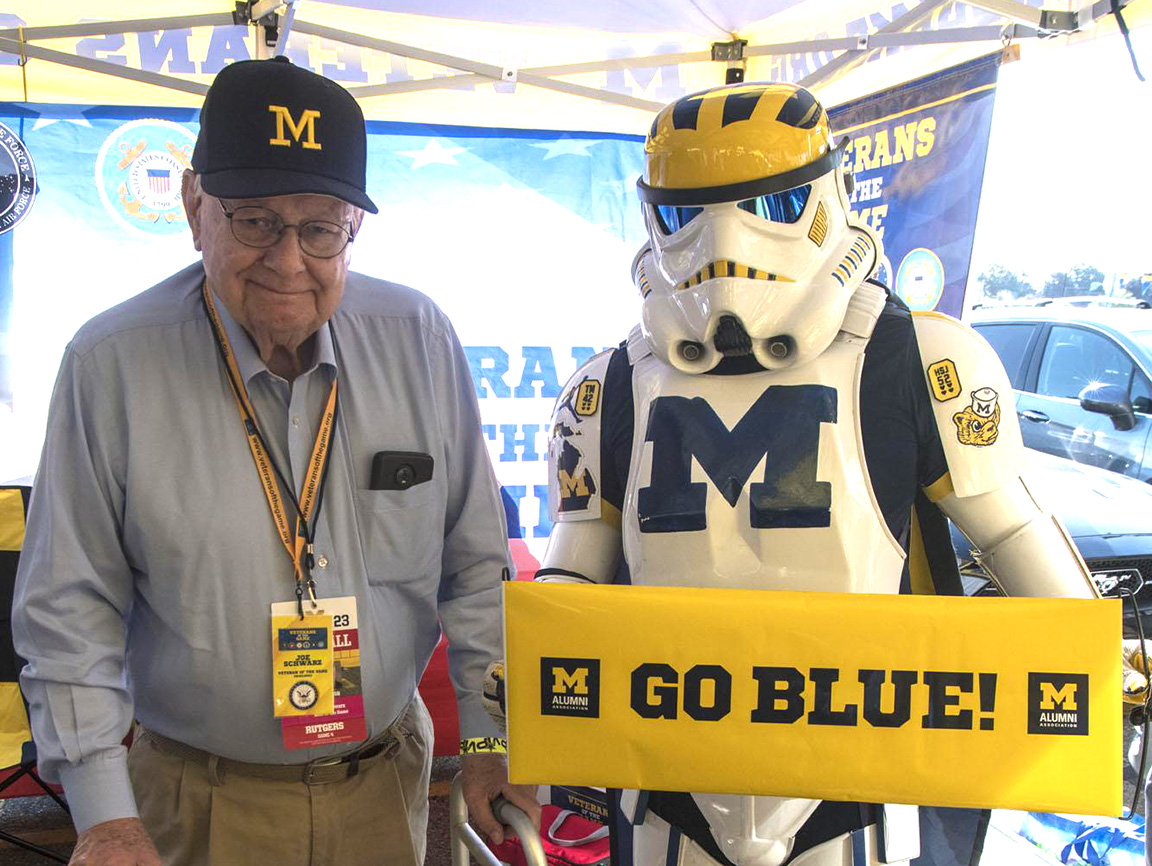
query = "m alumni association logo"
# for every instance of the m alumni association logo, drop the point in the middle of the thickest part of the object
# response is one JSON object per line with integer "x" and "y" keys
{"x": 1058, "y": 704}
{"x": 570, "y": 687}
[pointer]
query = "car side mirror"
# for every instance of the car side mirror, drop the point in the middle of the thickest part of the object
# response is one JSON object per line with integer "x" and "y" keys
{"x": 1110, "y": 400}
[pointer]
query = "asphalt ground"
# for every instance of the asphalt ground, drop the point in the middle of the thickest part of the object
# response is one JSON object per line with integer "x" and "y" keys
{"x": 42, "y": 822}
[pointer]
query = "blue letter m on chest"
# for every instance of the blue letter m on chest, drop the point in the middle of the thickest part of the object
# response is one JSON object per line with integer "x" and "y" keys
{"x": 783, "y": 423}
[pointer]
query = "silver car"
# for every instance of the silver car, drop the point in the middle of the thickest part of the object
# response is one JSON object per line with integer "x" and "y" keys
{"x": 1083, "y": 380}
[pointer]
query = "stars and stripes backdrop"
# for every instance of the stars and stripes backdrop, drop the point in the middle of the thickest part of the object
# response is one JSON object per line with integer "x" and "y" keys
{"x": 524, "y": 238}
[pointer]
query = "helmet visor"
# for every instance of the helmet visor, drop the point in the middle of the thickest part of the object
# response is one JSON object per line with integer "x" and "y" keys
{"x": 777, "y": 207}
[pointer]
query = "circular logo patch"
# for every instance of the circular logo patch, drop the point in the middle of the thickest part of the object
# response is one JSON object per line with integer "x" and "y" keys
{"x": 303, "y": 695}
{"x": 138, "y": 173}
{"x": 883, "y": 271}
{"x": 17, "y": 180}
{"x": 920, "y": 279}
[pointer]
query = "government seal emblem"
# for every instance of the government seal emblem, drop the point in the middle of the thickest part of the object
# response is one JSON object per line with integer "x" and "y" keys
{"x": 138, "y": 172}
{"x": 920, "y": 279}
{"x": 17, "y": 180}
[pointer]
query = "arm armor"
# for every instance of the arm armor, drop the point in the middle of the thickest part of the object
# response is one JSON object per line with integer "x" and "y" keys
{"x": 1022, "y": 545}
{"x": 586, "y": 543}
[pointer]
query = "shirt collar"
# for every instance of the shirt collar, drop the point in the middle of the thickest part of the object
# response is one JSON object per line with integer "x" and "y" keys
{"x": 249, "y": 360}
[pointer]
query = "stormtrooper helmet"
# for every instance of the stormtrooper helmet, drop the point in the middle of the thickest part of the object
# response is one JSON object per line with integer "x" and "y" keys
{"x": 753, "y": 250}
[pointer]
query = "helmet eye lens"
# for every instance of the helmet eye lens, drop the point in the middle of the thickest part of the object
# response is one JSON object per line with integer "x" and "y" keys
{"x": 779, "y": 207}
{"x": 672, "y": 219}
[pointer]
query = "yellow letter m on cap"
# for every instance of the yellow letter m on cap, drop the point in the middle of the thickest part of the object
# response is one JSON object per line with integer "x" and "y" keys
{"x": 307, "y": 123}
{"x": 1065, "y": 696}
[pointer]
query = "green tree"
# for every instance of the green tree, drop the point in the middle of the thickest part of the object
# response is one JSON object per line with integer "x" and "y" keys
{"x": 999, "y": 282}
{"x": 1077, "y": 280}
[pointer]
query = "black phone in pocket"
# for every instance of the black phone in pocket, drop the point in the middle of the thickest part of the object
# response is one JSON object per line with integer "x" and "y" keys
{"x": 399, "y": 470}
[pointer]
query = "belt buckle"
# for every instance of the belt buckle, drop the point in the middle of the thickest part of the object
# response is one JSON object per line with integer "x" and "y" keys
{"x": 312, "y": 768}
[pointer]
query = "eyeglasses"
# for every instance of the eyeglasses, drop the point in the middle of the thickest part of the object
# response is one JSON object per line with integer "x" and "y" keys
{"x": 777, "y": 207}
{"x": 259, "y": 227}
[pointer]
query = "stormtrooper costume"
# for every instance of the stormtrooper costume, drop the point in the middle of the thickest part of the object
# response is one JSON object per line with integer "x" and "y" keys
{"x": 769, "y": 424}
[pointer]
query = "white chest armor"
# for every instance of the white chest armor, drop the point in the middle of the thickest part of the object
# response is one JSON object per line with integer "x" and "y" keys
{"x": 755, "y": 481}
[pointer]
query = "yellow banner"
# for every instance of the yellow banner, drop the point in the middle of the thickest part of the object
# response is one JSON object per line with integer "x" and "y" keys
{"x": 14, "y": 731}
{"x": 11, "y": 519}
{"x": 987, "y": 702}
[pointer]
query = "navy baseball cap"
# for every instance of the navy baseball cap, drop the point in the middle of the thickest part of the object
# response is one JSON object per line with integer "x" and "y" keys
{"x": 269, "y": 128}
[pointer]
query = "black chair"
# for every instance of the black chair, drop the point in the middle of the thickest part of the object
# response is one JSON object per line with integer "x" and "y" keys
{"x": 18, "y": 776}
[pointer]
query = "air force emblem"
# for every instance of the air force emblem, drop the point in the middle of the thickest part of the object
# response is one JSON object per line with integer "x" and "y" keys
{"x": 17, "y": 180}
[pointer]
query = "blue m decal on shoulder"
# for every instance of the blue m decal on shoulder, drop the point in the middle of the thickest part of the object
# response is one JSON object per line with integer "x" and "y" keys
{"x": 783, "y": 423}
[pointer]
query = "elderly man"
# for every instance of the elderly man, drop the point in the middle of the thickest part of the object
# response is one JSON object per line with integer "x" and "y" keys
{"x": 262, "y": 489}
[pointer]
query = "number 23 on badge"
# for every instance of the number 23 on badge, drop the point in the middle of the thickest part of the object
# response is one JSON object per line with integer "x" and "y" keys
{"x": 302, "y": 679}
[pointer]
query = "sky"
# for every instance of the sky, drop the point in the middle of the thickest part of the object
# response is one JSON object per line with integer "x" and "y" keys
{"x": 1067, "y": 181}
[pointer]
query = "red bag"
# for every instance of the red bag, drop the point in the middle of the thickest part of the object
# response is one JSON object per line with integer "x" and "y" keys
{"x": 568, "y": 839}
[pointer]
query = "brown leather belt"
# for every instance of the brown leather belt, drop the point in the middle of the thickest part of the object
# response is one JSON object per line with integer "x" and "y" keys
{"x": 322, "y": 771}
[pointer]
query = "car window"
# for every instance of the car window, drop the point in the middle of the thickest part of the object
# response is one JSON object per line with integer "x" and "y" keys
{"x": 1144, "y": 338}
{"x": 1141, "y": 393}
{"x": 1074, "y": 358}
{"x": 1010, "y": 343}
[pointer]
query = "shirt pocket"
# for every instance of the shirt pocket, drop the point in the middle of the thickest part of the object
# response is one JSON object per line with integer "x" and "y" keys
{"x": 401, "y": 534}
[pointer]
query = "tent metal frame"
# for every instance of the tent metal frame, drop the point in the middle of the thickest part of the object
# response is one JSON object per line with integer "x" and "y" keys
{"x": 274, "y": 20}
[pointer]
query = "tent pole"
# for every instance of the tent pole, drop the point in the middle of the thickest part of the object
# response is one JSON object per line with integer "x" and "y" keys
{"x": 1012, "y": 10}
{"x": 850, "y": 58}
{"x": 589, "y": 92}
{"x": 106, "y": 28}
{"x": 490, "y": 72}
{"x": 523, "y": 76}
{"x": 992, "y": 33}
{"x": 12, "y": 46}
{"x": 285, "y": 28}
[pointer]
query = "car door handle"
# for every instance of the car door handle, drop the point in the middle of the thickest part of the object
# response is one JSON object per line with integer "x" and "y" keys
{"x": 1033, "y": 415}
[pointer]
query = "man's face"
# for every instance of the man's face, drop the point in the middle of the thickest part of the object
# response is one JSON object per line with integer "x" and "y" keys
{"x": 278, "y": 294}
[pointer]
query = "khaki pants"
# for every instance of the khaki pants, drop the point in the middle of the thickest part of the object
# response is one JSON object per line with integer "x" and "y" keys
{"x": 378, "y": 817}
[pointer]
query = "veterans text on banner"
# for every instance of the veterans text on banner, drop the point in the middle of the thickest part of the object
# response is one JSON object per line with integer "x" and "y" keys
{"x": 917, "y": 156}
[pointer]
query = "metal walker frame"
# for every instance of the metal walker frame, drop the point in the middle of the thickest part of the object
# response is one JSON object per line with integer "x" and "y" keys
{"x": 465, "y": 840}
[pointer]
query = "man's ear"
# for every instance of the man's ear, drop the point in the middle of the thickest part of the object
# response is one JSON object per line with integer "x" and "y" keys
{"x": 193, "y": 199}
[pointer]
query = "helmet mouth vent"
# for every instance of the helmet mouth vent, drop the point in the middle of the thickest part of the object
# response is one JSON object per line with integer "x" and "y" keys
{"x": 728, "y": 268}
{"x": 731, "y": 339}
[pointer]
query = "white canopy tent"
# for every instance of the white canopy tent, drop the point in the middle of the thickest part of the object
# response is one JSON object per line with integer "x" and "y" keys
{"x": 499, "y": 224}
{"x": 602, "y": 65}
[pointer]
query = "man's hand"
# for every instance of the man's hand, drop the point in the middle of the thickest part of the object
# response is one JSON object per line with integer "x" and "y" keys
{"x": 123, "y": 842}
{"x": 484, "y": 778}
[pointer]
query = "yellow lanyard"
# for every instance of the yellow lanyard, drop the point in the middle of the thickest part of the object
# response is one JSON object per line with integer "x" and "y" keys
{"x": 297, "y": 540}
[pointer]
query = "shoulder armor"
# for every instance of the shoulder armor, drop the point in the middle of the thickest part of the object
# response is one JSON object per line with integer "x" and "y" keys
{"x": 864, "y": 308}
{"x": 973, "y": 403}
{"x": 574, "y": 444}
{"x": 637, "y": 346}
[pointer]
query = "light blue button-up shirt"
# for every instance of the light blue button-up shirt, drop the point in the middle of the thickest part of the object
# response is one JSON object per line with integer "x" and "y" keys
{"x": 151, "y": 557}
